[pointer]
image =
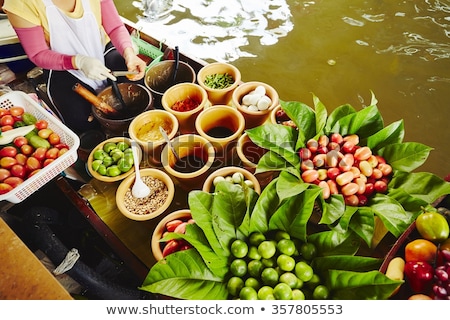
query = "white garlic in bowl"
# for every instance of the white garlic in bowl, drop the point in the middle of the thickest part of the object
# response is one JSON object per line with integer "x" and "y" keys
{"x": 257, "y": 100}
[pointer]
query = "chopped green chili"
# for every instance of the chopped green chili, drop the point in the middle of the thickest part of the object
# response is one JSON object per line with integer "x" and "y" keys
{"x": 219, "y": 80}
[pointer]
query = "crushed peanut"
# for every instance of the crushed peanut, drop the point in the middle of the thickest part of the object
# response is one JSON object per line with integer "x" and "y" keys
{"x": 158, "y": 195}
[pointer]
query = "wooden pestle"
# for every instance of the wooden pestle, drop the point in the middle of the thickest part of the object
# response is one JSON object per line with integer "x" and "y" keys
{"x": 93, "y": 99}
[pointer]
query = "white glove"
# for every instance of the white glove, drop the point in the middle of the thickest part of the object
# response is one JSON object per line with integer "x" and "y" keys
{"x": 93, "y": 68}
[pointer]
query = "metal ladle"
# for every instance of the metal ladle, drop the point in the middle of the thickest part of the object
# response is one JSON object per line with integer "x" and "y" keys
{"x": 166, "y": 138}
{"x": 139, "y": 189}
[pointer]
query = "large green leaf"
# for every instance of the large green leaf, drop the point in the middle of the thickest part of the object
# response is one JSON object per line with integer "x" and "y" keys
{"x": 303, "y": 117}
{"x": 393, "y": 133}
{"x": 364, "y": 123}
{"x": 200, "y": 203}
{"x": 340, "y": 112}
{"x": 272, "y": 161}
{"x": 289, "y": 185}
{"x": 277, "y": 138}
{"x": 406, "y": 156}
{"x": 363, "y": 224}
{"x": 332, "y": 209}
{"x": 335, "y": 242}
{"x": 184, "y": 275}
{"x": 350, "y": 285}
{"x": 391, "y": 212}
{"x": 343, "y": 262}
{"x": 321, "y": 115}
{"x": 422, "y": 185}
{"x": 265, "y": 206}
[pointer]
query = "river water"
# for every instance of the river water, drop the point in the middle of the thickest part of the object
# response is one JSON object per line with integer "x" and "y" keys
{"x": 340, "y": 50}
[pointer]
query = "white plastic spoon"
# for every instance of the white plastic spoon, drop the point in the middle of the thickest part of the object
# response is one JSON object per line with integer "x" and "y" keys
{"x": 139, "y": 189}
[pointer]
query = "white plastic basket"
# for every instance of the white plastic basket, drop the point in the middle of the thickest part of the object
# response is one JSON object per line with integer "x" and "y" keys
{"x": 30, "y": 185}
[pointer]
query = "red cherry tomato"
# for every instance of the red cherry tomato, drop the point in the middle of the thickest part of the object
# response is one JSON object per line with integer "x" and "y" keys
{"x": 5, "y": 188}
{"x": 7, "y": 120}
{"x": 39, "y": 153}
{"x": 4, "y": 173}
{"x": 54, "y": 139}
{"x": 18, "y": 170}
{"x": 16, "y": 111}
{"x": 13, "y": 181}
{"x": 26, "y": 149}
{"x": 3, "y": 112}
{"x": 8, "y": 151}
{"x": 41, "y": 124}
{"x": 32, "y": 164}
{"x": 20, "y": 141}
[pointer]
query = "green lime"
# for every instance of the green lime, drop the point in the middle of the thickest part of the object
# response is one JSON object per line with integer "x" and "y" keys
{"x": 308, "y": 251}
{"x": 321, "y": 292}
{"x": 248, "y": 293}
{"x": 285, "y": 262}
{"x": 267, "y": 249}
{"x": 298, "y": 294}
{"x": 234, "y": 286}
{"x": 314, "y": 281}
{"x": 280, "y": 234}
{"x": 266, "y": 293}
{"x": 254, "y": 268}
{"x": 253, "y": 253}
{"x": 256, "y": 238}
{"x": 269, "y": 276}
{"x": 122, "y": 145}
{"x": 271, "y": 262}
{"x": 109, "y": 146}
{"x": 96, "y": 164}
{"x": 252, "y": 282}
{"x": 290, "y": 279}
{"x": 304, "y": 271}
{"x": 238, "y": 267}
{"x": 113, "y": 171}
{"x": 99, "y": 154}
{"x": 282, "y": 291}
{"x": 286, "y": 246}
{"x": 239, "y": 248}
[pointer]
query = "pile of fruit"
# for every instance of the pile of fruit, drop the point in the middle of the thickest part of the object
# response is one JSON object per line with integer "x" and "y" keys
{"x": 339, "y": 165}
{"x": 426, "y": 261}
{"x": 112, "y": 159}
{"x": 29, "y": 152}
{"x": 273, "y": 267}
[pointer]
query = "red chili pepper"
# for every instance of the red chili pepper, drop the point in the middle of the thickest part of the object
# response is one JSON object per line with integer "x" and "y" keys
{"x": 419, "y": 275}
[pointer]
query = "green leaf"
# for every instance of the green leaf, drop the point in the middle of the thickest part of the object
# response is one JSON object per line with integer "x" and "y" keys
{"x": 321, "y": 115}
{"x": 289, "y": 185}
{"x": 293, "y": 214}
{"x": 277, "y": 138}
{"x": 264, "y": 208}
{"x": 227, "y": 211}
{"x": 346, "y": 262}
{"x": 421, "y": 185}
{"x": 332, "y": 209}
{"x": 406, "y": 156}
{"x": 200, "y": 203}
{"x": 391, "y": 213}
{"x": 271, "y": 161}
{"x": 304, "y": 118}
{"x": 363, "y": 224}
{"x": 364, "y": 123}
{"x": 350, "y": 285}
{"x": 335, "y": 242}
{"x": 393, "y": 133}
{"x": 335, "y": 115}
{"x": 184, "y": 275}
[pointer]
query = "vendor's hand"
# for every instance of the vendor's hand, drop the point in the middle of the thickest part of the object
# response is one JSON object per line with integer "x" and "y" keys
{"x": 93, "y": 68}
{"x": 134, "y": 64}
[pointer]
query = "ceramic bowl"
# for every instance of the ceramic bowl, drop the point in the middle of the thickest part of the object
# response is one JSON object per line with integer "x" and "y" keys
{"x": 140, "y": 209}
{"x": 158, "y": 233}
{"x": 254, "y": 118}
{"x": 208, "y": 185}
{"x": 105, "y": 178}
{"x": 219, "y": 96}
{"x": 144, "y": 129}
{"x": 180, "y": 92}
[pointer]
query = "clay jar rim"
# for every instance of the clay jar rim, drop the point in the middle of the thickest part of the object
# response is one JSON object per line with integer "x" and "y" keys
{"x": 221, "y": 112}
{"x": 151, "y": 114}
{"x": 168, "y": 158}
{"x": 214, "y": 68}
{"x": 240, "y": 143}
{"x": 160, "y": 227}
{"x": 246, "y": 88}
{"x": 225, "y": 171}
{"x": 127, "y": 183}
{"x": 107, "y": 178}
